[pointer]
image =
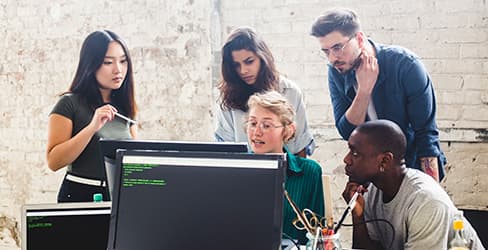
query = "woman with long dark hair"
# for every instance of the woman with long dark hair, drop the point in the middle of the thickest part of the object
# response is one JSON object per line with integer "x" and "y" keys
{"x": 94, "y": 107}
{"x": 247, "y": 68}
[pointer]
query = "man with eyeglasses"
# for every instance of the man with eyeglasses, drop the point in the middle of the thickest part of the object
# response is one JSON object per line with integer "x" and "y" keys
{"x": 370, "y": 81}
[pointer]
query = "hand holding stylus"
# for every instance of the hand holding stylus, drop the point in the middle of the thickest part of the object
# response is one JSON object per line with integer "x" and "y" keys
{"x": 355, "y": 202}
{"x": 352, "y": 189}
{"x": 102, "y": 115}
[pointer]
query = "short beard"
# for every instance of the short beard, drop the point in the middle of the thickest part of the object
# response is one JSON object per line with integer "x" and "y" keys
{"x": 354, "y": 65}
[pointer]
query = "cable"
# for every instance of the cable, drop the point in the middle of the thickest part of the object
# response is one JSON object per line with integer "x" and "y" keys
{"x": 373, "y": 220}
{"x": 291, "y": 239}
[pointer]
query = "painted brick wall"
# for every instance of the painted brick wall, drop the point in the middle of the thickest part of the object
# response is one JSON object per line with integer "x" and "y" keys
{"x": 452, "y": 40}
{"x": 176, "y": 66}
{"x": 39, "y": 47}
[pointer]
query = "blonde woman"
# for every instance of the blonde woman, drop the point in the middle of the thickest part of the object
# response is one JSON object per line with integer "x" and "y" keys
{"x": 269, "y": 126}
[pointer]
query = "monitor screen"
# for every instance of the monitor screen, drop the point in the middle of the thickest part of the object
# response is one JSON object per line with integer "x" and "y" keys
{"x": 197, "y": 200}
{"x": 82, "y": 225}
{"x": 108, "y": 147}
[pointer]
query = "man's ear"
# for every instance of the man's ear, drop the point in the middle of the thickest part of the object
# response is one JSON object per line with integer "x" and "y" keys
{"x": 386, "y": 158}
{"x": 361, "y": 37}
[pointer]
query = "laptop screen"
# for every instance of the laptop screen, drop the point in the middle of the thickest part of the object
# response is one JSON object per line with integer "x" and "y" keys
{"x": 183, "y": 200}
{"x": 82, "y": 225}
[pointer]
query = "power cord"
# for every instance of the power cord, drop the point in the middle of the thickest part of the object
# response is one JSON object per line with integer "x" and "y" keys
{"x": 379, "y": 220}
{"x": 295, "y": 242}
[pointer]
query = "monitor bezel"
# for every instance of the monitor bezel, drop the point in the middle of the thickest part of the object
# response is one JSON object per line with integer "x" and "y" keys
{"x": 279, "y": 186}
{"x": 109, "y": 147}
{"x": 27, "y": 208}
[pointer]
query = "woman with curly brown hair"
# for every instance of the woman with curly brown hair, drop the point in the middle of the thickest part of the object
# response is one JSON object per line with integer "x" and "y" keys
{"x": 247, "y": 68}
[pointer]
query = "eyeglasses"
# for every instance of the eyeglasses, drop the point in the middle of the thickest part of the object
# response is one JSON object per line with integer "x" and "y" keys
{"x": 336, "y": 50}
{"x": 265, "y": 126}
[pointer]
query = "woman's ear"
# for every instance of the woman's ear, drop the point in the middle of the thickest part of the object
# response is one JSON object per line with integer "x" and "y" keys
{"x": 289, "y": 132}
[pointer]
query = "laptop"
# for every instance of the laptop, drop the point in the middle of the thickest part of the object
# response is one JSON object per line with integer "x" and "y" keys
{"x": 197, "y": 200}
{"x": 81, "y": 225}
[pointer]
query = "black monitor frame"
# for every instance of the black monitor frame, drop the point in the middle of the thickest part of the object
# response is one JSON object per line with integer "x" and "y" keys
{"x": 234, "y": 217}
{"x": 109, "y": 147}
{"x": 73, "y": 225}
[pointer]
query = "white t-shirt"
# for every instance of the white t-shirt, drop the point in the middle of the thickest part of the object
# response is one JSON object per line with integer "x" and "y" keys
{"x": 230, "y": 123}
{"x": 421, "y": 214}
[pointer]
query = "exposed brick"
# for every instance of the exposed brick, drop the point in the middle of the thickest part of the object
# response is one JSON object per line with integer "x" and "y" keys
{"x": 475, "y": 113}
{"x": 447, "y": 82}
{"x": 469, "y": 35}
{"x": 476, "y": 82}
{"x": 454, "y": 66}
{"x": 436, "y": 50}
{"x": 448, "y": 112}
{"x": 451, "y": 7}
{"x": 451, "y": 20}
{"x": 407, "y": 8}
{"x": 474, "y": 50}
{"x": 174, "y": 69}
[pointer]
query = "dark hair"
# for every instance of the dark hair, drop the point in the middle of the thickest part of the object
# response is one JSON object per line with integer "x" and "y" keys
{"x": 85, "y": 84}
{"x": 385, "y": 136}
{"x": 234, "y": 92}
{"x": 345, "y": 21}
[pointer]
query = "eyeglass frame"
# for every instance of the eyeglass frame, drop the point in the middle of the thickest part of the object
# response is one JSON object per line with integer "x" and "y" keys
{"x": 340, "y": 49}
{"x": 261, "y": 126}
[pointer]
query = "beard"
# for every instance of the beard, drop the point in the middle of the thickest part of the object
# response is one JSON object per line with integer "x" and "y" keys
{"x": 350, "y": 65}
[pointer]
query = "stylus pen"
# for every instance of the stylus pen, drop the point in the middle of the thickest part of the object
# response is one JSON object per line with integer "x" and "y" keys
{"x": 350, "y": 206}
{"x": 318, "y": 234}
{"x": 126, "y": 118}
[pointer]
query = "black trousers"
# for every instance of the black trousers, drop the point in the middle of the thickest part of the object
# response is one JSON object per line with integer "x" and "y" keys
{"x": 77, "y": 192}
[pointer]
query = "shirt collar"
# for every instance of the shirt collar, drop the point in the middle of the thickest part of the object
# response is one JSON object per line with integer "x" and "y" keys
{"x": 293, "y": 166}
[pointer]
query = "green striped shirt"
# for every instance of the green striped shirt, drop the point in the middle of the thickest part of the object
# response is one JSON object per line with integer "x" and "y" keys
{"x": 304, "y": 185}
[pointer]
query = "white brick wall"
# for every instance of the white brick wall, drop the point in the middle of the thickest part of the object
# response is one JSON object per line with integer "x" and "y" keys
{"x": 170, "y": 47}
{"x": 39, "y": 49}
{"x": 452, "y": 40}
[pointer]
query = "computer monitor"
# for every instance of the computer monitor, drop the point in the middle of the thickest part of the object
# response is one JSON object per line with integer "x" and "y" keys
{"x": 197, "y": 200}
{"x": 81, "y": 225}
{"x": 108, "y": 147}
{"x": 477, "y": 218}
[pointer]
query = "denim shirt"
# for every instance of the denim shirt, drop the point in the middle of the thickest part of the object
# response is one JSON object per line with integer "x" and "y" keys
{"x": 403, "y": 93}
